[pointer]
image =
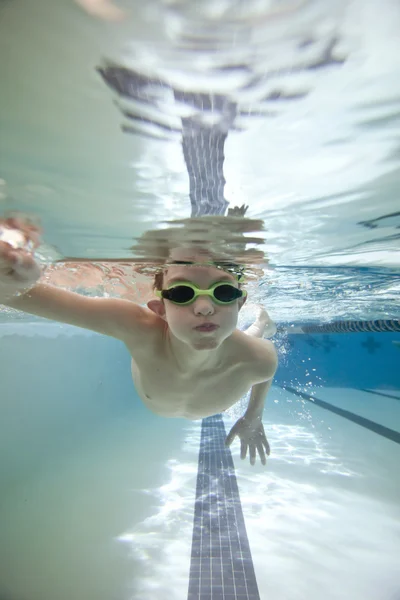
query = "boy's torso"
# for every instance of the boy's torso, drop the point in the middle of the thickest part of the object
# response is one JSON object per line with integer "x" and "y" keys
{"x": 168, "y": 392}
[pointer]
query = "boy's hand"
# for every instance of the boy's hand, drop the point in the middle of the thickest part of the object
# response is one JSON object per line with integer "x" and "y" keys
{"x": 18, "y": 271}
{"x": 252, "y": 436}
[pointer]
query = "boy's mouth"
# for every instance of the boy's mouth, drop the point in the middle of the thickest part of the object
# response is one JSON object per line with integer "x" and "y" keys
{"x": 207, "y": 327}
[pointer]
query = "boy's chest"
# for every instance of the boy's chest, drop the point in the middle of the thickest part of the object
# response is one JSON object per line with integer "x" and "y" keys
{"x": 169, "y": 393}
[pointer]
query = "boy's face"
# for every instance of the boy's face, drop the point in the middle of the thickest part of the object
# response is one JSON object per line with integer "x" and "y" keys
{"x": 184, "y": 321}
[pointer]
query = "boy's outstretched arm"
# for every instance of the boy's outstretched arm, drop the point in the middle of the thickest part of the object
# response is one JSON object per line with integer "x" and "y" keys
{"x": 249, "y": 428}
{"x": 19, "y": 273}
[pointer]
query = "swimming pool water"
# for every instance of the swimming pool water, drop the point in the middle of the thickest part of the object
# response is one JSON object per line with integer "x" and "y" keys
{"x": 99, "y": 494}
{"x": 102, "y": 500}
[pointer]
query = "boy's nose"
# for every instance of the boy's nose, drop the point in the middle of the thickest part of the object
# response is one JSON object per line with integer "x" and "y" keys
{"x": 203, "y": 306}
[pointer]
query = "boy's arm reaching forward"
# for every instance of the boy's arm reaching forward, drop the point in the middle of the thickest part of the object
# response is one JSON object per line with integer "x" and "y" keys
{"x": 19, "y": 273}
{"x": 249, "y": 428}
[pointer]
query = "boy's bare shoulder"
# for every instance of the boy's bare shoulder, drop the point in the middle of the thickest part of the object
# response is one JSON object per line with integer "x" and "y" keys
{"x": 261, "y": 356}
{"x": 261, "y": 350}
{"x": 152, "y": 328}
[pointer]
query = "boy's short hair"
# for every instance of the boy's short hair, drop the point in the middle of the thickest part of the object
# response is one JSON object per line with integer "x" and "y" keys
{"x": 158, "y": 281}
{"x": 159, "y": 277}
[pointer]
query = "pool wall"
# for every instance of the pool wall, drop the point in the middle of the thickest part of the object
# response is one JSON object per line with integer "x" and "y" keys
{"x": 58, "y": 384}
{"x": 357, "y": 360}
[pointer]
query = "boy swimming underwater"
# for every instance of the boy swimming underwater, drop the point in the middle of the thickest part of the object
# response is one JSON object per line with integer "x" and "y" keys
{"x": 188, "y": 358}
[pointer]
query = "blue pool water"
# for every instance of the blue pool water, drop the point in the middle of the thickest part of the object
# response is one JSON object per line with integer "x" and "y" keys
{"x": 99, "y": 495}
{"x": 294, "y": 110}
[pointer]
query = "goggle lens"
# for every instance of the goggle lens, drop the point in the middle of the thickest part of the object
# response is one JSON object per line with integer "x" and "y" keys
{"x": 226, "y": 293}
{"x": 180, "y": 294}
{"x": 184, "y": 294}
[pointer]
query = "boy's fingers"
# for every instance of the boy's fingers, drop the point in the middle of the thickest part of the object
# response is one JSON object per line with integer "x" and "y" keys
{"x": 21, "y": 261}
{"x": 19, "y": 264}
{"x": 252, "y": 454}
{"x": 8, "y": 252}
{"x": 8, "y": 259}
{"x": 243, "y": 449}
{"x": 266, "y": 444}
{"x": 26, "y": 226}
{"x": 261, "y": 452}
{"x": 24, "y": 261}
{"x": 5, "y": 250}
{"x": 230, "y": 437}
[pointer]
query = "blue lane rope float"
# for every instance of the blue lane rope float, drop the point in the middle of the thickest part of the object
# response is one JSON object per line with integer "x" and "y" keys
{"x": 381, "y": 325}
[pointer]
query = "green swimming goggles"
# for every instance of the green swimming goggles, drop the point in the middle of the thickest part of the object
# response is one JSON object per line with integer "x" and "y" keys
{"x": 185, "y": 293}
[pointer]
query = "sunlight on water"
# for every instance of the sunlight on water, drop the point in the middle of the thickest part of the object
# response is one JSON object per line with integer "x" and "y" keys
{"x": 304, "y": 533}
{"x": 162, "y": 542}
{"x": 266, "y": 132}
{"x": 312, "y": 514}
{"x": 295, "y": 519}
{"x": 309, "y": 96}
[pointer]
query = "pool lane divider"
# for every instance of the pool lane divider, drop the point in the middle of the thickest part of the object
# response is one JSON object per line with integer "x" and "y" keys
{"x": 380, "y": 394}
{"x": 221, "y": 566}
{"x": 389, "y": 434}
{"x": 378, "y": 326}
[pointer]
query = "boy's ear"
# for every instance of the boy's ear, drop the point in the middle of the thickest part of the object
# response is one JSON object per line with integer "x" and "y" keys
{"x": 157, "y": 307}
